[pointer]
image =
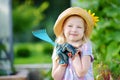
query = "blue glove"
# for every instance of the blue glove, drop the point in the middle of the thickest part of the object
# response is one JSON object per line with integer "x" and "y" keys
{"x": 62, "y": 55}
{"x": 69, "y": 49}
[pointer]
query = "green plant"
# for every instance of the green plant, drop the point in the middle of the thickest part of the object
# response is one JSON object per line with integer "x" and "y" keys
{"x": 47, "y": 74}
{"x": 6, "y": 62}
{"x": 37, "y": 53}
{"x": 26, "y": 17}
{"x": 102, "y": 72}
{"x": 29, "y": 16}
{"x": 47, "y": 48}
{"x": 23, "y": 52}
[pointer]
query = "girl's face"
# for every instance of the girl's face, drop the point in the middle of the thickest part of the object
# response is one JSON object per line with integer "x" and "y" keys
{"x": 74, "y": 29}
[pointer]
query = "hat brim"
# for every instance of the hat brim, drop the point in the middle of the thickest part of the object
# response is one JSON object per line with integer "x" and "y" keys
{"x": 73, "y": 11}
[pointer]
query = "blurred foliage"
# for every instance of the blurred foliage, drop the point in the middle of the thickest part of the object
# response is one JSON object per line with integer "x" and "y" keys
{"x": 26, "y": 16}
{"x": 38, "y": 54}
{"x": 106, "y": 42}
{"x": 47, "y": 75}
{"x": 23, "y": 52}
{"x": 47, "y": 49}
{"x": 6, "y": 66}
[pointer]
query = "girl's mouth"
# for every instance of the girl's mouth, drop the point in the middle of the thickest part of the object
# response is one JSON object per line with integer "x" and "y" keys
{"x": 73, "y": 34}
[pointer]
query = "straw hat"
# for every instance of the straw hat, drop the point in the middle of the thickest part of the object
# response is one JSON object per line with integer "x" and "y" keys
{"x": 74, "y": 11}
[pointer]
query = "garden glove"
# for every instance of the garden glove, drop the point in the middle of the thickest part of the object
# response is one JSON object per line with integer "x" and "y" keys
{"x": 63, "y": 58}
{"x": 69, "y": 49}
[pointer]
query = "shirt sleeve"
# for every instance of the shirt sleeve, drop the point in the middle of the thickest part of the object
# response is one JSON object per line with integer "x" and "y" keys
{"x": 87, "y": 50}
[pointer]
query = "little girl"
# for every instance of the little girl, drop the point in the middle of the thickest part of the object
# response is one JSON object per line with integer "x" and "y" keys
{"x": 72, "y": 56}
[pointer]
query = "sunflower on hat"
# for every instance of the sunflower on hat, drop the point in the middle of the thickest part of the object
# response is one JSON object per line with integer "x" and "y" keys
{"x": 95, "y": 18}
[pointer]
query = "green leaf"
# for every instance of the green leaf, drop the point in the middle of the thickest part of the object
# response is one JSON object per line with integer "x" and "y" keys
{"x": 112, "y": 49}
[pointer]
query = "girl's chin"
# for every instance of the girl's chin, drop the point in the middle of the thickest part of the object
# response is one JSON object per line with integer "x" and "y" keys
{"x": 73, "y": 40}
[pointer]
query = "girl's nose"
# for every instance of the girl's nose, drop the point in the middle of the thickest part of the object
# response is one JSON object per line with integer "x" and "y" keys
{"x": 74, "y": 29}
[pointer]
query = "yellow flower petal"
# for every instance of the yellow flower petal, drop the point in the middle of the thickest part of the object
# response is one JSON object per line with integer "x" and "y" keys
{"x": 95, "y": 18}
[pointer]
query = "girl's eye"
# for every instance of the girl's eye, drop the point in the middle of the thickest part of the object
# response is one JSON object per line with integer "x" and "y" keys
{"x": 69, "y": 25}
{"x": 79, "y": 27}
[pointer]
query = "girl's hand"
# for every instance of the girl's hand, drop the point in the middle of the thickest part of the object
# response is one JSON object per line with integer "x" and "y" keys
{"x": 78, "y": 53}
{"x": 69, "y": 49}
{"x": 63, "y": 58}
